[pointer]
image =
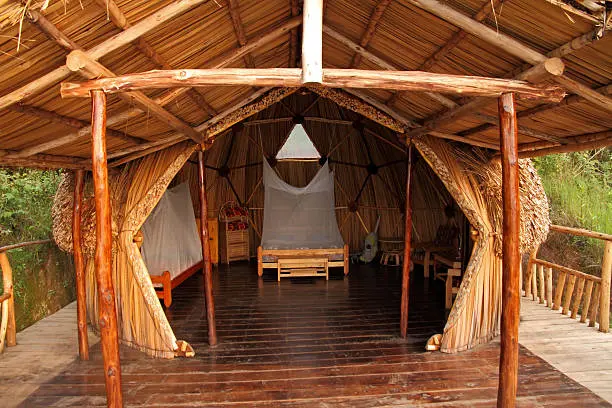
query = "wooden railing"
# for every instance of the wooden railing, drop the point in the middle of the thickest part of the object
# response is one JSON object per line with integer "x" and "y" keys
{"x": 8, "y": 328}
{"x": 574, "y": 291}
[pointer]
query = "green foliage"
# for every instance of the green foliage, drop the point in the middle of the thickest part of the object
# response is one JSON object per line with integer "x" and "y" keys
{"x": 579, "y": 189}
{"x": 43, "y": 276}
{"x": 25, "y": 204}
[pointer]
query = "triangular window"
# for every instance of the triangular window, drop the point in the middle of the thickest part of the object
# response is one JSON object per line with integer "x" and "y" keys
{"x": 298, "y": 146}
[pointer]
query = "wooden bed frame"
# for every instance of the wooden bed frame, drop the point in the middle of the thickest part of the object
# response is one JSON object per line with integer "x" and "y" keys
{"x": 303, "y": 253}
{"x": 165, "y": 292}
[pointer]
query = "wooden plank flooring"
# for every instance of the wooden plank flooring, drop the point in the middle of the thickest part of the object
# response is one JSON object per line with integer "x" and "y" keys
{"x": 306, "y": 342}
{"x": 43, "y": 350}
{"x": 581, "y": 352}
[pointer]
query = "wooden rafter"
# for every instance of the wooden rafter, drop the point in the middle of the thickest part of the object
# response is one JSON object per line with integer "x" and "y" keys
{"x": 375, "y": 17}
{"x": 104, "y": 48}
{"x": 356, "y": 48}
{"x": 293, "y": 77}
{"x": 293, "y": 36}
{"x": 219, "y": 62}
{"x": 484, "y": 12}
{"x": 71, "y": 122}
{"x": 121, "y": 21}
{"x": 509, "y": 45}
{"x": 551, "y": 67}
{"x": 234, "y": 11}
{"x": 43, "y": 161}
{"x": 79, "y": 61}
{"x": 212, "y": 128}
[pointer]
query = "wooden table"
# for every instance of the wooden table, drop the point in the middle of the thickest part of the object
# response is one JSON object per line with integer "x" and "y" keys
{"x": 294, "y": 267}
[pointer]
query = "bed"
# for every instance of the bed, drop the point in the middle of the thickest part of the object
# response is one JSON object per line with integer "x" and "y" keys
{"x": 171, "y": 247}
{"x": 300, "y": 231}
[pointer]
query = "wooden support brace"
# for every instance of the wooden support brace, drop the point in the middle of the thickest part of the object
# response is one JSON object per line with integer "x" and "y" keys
{"x": 312, "y": 42}
{"x": 79, "y": 265}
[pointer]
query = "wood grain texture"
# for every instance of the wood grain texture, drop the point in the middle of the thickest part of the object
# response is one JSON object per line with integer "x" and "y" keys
{"x": 103, "y": 258}
{"x": 310, "y": 343}
{"x": 508, "y": 370}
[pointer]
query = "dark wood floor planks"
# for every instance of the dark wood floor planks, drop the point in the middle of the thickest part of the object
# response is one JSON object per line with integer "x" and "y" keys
{"x": 311, "y": 343}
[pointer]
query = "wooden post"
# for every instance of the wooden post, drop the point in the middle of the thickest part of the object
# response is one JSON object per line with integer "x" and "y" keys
{"x": 604, "y": 298}
{"x": 312, "y": 42}
{"x": 7, "y": 280}
{"x": 208, "y": 291}
{"x": 508, "y": 362}
{"x": 103, "y": 258}
{"x": 549, "y": 289}
{"x": 407, "y": 240}
{"x": 79, "y": 266}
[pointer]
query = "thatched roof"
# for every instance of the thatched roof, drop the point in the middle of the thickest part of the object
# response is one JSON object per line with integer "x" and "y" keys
{"x": 399, "y": 34}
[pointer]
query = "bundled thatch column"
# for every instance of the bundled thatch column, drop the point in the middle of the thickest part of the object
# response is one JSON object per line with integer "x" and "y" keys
{"x": 508, "y": 362}
{"x": 103, "y": 257}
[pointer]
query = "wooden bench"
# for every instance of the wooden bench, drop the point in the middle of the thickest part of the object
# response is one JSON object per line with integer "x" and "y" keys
{"x": 295, "y": 267}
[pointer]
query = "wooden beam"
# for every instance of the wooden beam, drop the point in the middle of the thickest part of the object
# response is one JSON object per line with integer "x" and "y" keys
{"x": 449, "y": 103}
{"x": 103, "y": 256}
{"x": 71, "y": 122}
{"x": 104, "y": 48}
{"x": 594, "y": 144}
{"x": 204, "y": 238}
{"x": 511, "y": 258}
{"x": 121, "y": 21}
{"x": 78, "y": 61}
{"x": 510, "y": 45}
{"x": 312, "y": 42}
{"x": 42, "y": 161}
{"x": 51, "y": 31}
{"x": 134, "y": 153}
{"x": 79, "y": 265}
{"x": 570, "y": 9}
{"x": 456, "y": 138}
{"x": 570, "y": 140}
{"x": 291, "y": 77}
{"x": 234, "y": 11}
{"x": 407, "y": 249}
{"x": 224, "y": 60}
{"x": 442, "y": 52}
{"x": 293, "y": 37}
{"x": 543, "y": 71}
{"x": 375, "y": 17}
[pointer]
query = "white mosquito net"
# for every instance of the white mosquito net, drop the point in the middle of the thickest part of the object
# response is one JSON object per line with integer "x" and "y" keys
{"x": 171, "y": 240}
{"x": 299, "y": 218}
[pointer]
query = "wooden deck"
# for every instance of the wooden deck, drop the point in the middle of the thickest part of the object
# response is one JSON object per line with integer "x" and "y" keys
{"x": 581, "y": 352}
{"x": 306, "y": 342}
{"x": 43, "y": 351}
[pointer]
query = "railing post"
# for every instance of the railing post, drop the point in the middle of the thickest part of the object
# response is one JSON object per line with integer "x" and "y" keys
{"x": 7, "y": 281}
{"x": 604, "y": 298}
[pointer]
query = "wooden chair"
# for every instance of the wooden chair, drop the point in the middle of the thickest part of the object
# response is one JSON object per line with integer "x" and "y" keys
{"x": 453, "y": 270}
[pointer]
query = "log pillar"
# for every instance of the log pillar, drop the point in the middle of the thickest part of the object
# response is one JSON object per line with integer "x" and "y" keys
{"x": 103, "y": 257}
{"x": 207, "y": 268}
{"x": 79, "y": 265}
{"x": 407, "y": 249}
{"x": 508, "y": 362}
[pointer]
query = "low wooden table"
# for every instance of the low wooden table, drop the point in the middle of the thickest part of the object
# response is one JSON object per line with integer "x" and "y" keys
{"x": 294, "y": 267}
